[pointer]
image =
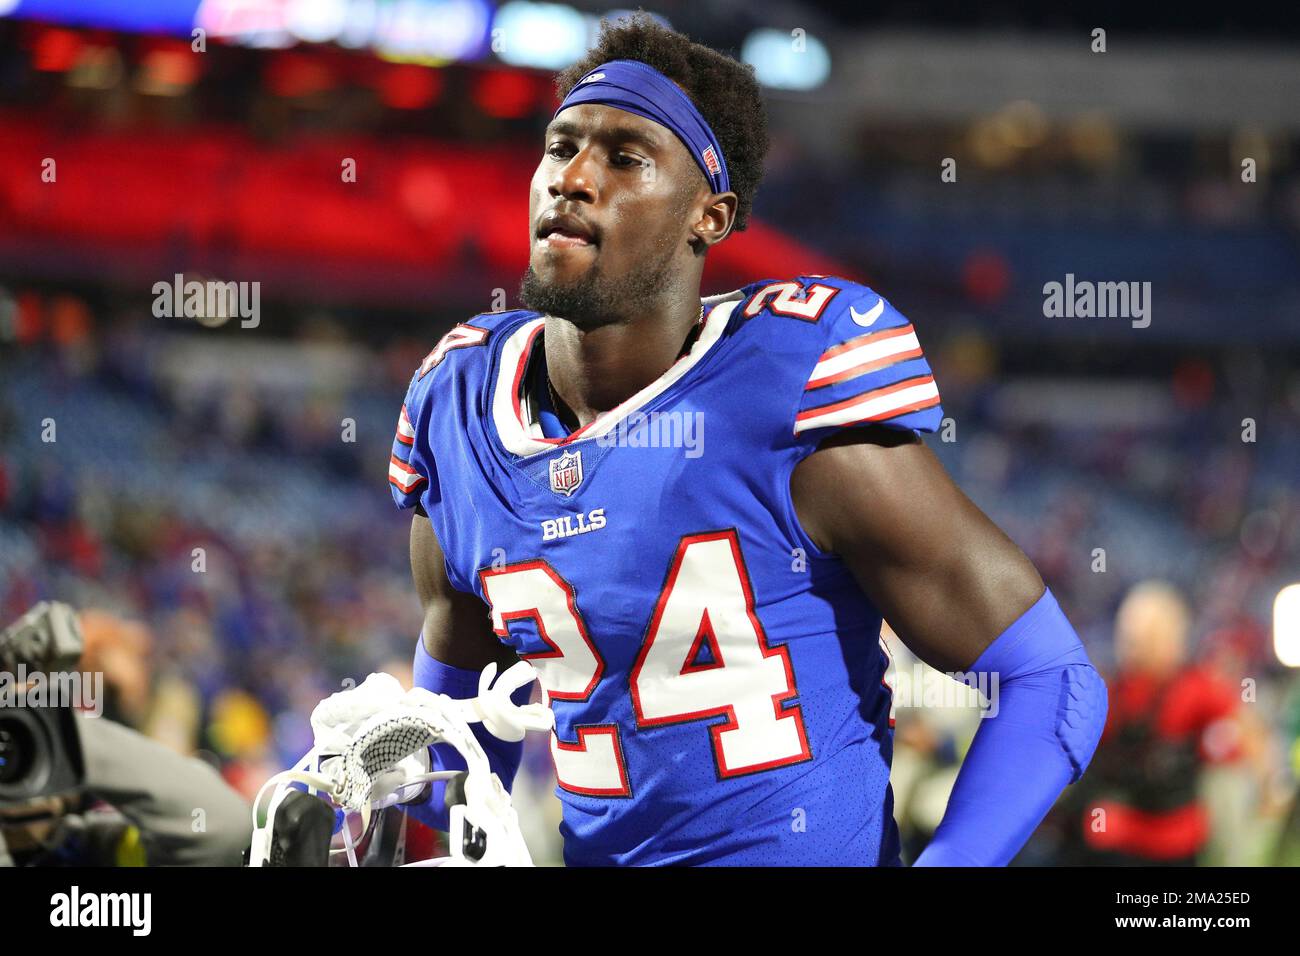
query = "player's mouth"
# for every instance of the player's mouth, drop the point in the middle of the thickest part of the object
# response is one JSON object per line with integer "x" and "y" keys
{"x": 565, "y": 231}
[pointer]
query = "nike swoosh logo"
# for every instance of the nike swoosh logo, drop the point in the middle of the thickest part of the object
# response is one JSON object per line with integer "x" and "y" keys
{"x": 869, "y": 317}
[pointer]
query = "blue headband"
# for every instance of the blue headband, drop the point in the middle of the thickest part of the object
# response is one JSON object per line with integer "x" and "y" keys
{"x": 638, "y": 88}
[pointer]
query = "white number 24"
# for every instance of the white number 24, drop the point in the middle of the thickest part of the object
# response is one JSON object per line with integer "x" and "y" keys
{"x": 706, "y": 602}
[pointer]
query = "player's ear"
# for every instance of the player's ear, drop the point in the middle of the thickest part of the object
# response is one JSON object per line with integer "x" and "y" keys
{"x": 714, "y": 221}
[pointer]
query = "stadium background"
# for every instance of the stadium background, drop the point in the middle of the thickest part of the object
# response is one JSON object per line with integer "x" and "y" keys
{"x": 215, "y": 498}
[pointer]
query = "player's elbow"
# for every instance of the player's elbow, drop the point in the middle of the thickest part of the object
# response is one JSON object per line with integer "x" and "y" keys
{"x": 1043, "y": 659}
{"x": 1082, "y": 715}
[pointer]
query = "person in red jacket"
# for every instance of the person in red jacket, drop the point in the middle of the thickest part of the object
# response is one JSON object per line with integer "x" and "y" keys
{"x": 1168, "y": 718}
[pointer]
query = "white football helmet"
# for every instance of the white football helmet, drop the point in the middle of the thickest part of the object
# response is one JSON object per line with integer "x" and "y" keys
{"x": 371, "y": 752}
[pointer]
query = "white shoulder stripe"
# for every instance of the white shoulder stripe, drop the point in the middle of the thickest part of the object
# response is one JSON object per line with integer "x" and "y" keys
{"x": 869, "y": 352}
{"x": 405, "y": 430}
{"x": 872, "y": 406}
{"x": 406, "y": 478}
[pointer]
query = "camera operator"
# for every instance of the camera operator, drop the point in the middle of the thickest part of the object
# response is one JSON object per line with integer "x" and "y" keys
{"x": 78, "y": 789}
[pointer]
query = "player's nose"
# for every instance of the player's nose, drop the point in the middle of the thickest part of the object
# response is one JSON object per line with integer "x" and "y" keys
{"x": 575, "y": 179}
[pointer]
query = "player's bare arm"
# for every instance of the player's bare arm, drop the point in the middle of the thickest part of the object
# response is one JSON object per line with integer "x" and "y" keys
{"x": 944, "y": 576}
{"x": 457, "y": 630}
{"x": 456, "y": 638}
{"x": 965, "y": 599}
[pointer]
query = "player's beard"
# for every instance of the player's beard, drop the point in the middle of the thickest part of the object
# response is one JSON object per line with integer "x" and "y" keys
{"x": 595, "y": 299}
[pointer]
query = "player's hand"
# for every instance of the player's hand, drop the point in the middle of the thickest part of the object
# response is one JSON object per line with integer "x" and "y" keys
{"x": 500, "y": 715}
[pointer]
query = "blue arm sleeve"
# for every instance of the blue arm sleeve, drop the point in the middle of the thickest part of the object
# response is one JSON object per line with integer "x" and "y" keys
{"x": 503, "y": 756}
{"x": 1047, "y": 710}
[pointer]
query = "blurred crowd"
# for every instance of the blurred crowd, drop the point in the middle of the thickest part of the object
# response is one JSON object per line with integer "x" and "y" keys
{"x": 229, "y": 537}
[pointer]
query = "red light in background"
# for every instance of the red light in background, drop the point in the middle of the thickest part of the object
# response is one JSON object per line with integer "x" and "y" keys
{"x": 69, "y": 319}
{"x": 425, "y": 194}
{"x": 408, "y": 87}
{"x": 31, "y": 322}
{"x": 298, "y": 74}
{"x": 505, "y": 94}
{"x": 986, "y": 277}
{"x": 55, "y": 51}
{"x": 1193, "y": 383}
{"x": 169, "y": 66}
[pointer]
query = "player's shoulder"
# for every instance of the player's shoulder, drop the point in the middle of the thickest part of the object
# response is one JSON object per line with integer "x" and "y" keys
{"x": 463, "y": 351}
{"x": 809, "y": 317}
{"x": 831, "y": 304}
{"x": 452, "y": 370}
{"x": 850, "y": 355}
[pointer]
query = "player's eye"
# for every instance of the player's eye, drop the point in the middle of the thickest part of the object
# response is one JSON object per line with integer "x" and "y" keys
{"x": 559, "y": 150}
{"x": 628, "y": 159}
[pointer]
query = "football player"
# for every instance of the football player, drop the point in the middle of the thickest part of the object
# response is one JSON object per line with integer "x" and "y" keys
{"x": 691, "y": 514}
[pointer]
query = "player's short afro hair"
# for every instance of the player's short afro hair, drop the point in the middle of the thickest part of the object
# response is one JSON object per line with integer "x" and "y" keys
{"x": 722, "y": 89}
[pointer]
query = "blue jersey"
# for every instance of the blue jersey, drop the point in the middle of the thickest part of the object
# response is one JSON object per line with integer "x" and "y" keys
{"x": 717, "y": 680}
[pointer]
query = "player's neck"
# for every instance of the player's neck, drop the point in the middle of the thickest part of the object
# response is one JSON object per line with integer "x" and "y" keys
{"x": 594, "y": 371}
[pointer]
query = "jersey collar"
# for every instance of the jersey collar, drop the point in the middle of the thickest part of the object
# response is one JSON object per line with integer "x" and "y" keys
{"x": 512, "y": 419}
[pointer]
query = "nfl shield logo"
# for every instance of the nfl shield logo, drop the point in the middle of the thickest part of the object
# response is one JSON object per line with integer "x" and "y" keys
{"x": 566, "y": 473}
{"x": 711, "y": 161}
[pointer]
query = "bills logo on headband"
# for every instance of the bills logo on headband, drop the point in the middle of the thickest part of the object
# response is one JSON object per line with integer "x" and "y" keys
{"x": 711, "y": 161}
{"x": 594, "y": 77}
{"x": 566, "y": 473}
